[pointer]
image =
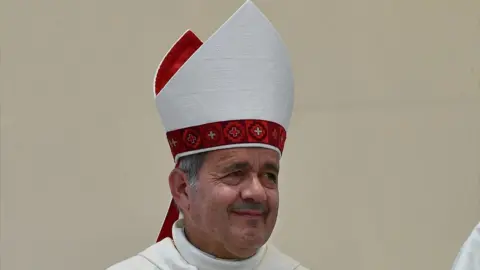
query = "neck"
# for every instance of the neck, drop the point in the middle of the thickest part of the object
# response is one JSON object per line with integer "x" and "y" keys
{"x": 213, "y": 247}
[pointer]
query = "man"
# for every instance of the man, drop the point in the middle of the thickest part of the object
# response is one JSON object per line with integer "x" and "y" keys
{"x": 226, "y": 105}
{"x": 469, "y": 256}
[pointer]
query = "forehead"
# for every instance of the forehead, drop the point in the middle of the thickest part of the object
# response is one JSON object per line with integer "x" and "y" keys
{"x": 252, "y": 155}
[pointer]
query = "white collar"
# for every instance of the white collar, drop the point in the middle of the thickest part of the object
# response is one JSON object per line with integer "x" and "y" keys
{"x": 204, "y": 261}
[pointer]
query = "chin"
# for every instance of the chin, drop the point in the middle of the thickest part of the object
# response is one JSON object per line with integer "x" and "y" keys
{"x": 246, "y": 247}
{"x": 246, "y": 235}
{"x": 244, "y": 253}
{"x": 252, "y": 238}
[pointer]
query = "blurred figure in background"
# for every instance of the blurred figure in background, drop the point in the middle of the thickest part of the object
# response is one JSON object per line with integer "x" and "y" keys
{"x": 469, "y": 256}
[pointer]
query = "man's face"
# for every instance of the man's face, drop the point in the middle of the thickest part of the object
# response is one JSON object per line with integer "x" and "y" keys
{"x": 235, "y": 200}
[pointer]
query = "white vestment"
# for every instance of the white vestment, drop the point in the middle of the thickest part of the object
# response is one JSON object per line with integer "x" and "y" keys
{"x": 180, "y": 254}
{"x": 469, "y": 256}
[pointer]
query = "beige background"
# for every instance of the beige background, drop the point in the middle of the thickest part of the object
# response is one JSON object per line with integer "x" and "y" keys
{"x": 382, "y": 165}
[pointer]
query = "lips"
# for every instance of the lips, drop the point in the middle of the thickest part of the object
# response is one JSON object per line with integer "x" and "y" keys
{"x": 249, "y": 213}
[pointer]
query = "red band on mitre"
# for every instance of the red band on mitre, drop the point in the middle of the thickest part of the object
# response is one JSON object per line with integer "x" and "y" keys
{"x": 218, "y": 134}
{"x": 175, "y": 58}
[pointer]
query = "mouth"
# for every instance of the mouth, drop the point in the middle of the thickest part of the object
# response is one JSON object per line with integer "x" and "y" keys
{"x": 249, "y": 213}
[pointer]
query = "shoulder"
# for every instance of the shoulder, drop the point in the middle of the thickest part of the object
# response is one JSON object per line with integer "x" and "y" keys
{"x": 469, "y": 256}
{"x": 152, "y": 258}
{"x": 276, "y": 259}
{"x": 136, "y": 262}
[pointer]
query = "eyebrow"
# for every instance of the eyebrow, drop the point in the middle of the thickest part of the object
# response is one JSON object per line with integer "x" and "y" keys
{"x": 271, "y": 166}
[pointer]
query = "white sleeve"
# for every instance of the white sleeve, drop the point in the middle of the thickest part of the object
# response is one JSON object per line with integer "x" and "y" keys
{"x": 469, "y": 256}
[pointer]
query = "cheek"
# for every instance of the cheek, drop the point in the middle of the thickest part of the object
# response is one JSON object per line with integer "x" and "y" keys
{"x": 273, "y": 199}
{"x": 223, "y": 196}
{"x": 199, "y": 202}
{"x": 214, "y": 200}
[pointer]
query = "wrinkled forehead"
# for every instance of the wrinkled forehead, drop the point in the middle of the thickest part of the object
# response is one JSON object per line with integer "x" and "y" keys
{"x": 248, "y": 156}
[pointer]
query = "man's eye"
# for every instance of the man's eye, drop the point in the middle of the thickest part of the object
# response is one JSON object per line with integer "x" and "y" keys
{"x": 272, "y": 177}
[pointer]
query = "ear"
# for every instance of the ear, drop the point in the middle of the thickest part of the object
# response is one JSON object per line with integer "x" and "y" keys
{"x": 178, "y": 182}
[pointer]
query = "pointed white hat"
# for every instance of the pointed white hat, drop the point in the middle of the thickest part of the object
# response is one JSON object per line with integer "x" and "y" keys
{"x": 234, "y": 90}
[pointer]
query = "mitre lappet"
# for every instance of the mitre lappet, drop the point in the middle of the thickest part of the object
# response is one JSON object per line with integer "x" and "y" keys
{"x": 235, "y": 89}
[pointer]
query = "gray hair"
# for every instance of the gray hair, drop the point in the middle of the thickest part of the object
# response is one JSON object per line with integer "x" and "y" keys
{"x": 191, "y": 166}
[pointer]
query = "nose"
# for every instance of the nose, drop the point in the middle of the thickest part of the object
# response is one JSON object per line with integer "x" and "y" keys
{"x": 254, "y": 190}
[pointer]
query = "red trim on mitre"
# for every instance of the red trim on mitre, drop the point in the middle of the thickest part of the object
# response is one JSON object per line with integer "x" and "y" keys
{"x": 183, "y": 49}
{"x": 218, "y": 134}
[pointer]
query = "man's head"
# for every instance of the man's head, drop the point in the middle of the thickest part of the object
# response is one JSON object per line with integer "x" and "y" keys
{"x": 229, "y": 199}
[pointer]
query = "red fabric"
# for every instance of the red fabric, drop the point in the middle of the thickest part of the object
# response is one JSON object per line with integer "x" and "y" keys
{"x": 170, "y": 218}
{"x": 175, "y": 58}
{"x": 226, "y": 133}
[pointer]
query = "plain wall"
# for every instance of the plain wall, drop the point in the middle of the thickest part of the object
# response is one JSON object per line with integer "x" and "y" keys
{"x": 382, "y": 163}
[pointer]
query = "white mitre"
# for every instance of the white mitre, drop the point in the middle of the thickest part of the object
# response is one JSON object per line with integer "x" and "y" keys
{"x": 235, "y": 90}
